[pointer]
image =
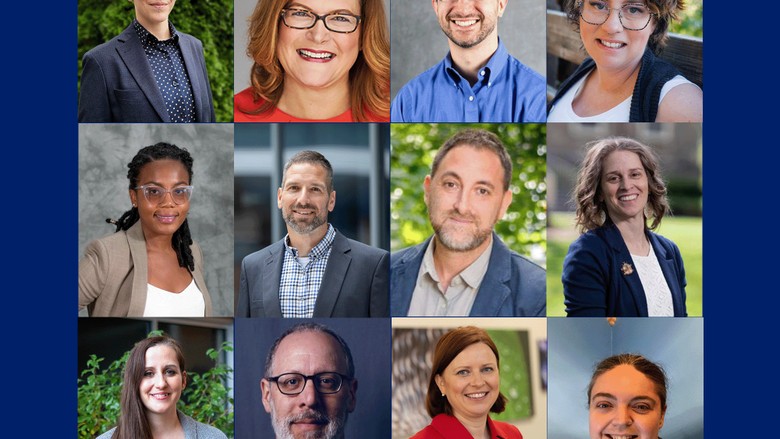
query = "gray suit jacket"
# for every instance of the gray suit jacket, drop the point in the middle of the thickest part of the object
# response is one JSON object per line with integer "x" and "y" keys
{"x": 117, "y": 83}
{"x": 192, "y": 429}
{"x": 355, "y": 283}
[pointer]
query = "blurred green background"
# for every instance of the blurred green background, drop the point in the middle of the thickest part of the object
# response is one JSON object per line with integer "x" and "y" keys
{"x": 690, "y": 20}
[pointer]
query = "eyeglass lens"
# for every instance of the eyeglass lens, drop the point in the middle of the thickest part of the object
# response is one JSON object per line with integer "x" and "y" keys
{"x": 155, "y": 194}
{"x": 303, "y": 19}
{"x": 632, "y": 16}
{"x": 294, "y": 383}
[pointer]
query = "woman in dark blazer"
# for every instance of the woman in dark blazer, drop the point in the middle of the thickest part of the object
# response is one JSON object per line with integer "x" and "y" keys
{"x": 618, "y": 267}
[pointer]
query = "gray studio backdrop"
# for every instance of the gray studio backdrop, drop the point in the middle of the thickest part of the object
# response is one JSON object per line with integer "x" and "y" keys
{"x": 104, "y": 152}
{"x": 577, "y": 344}
{"x": 417, "y": 42}
{"x": 369, "y": 340}
{"x": 241, "y": 62}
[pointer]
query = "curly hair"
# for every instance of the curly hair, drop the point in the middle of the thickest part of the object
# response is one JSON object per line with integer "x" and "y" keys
{"x": 652, "y": 371}
{"x": 665, "y": 12}
{"x": 369, "y": 78}
{"x": 587, "y": 192}
{"x": 182, "y": 240}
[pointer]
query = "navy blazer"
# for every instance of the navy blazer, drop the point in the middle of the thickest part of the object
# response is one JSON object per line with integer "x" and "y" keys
{"x": 354, "y": 284}
{"x": 512, "y": 286}
{"x": 594, "y": 282}
{"x": 117, "y": 83}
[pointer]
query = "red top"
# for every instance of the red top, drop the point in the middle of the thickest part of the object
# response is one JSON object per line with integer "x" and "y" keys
{"x": 448, "y": 427}
{"x": 245, "y": 100}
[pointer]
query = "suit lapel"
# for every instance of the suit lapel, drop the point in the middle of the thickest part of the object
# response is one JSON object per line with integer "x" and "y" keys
{"x": 193, "y": 72}
{"x": 330, "y": 287}
{"x": 668, "y": 268}
{"x": 135, "y": 240}
{"x": 402, "y": 284}
{"x": 272, "y": 273}
{"x": 131, "y": 52}
{"x": 494, "y": 292}
{"x": 626, "y": 269}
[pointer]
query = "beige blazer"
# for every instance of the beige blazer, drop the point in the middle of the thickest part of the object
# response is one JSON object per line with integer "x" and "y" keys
{"x": 112, "y": 275}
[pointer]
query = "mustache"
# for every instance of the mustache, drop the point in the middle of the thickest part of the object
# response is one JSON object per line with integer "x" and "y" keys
{"x": 309, "y": 415}
{"x": 304, "y": 207}
{"x": 458, "y": 16}
{"x": 456, "y": 214}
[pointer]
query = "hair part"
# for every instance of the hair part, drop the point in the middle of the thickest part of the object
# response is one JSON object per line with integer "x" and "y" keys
{"x": 313, "y": 158}
{"x": 588, "y": 198}
{"x": 477, "y": 139}
{"x": 447, "y": 348}
{"x": 310, "y": 327}
{"x": 652, "y": 371}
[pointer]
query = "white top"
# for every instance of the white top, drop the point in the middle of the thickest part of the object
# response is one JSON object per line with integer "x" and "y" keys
{"x": 562, "y": 111}
{"x": 161, "y": 303}
{"x": 657, "y": 293}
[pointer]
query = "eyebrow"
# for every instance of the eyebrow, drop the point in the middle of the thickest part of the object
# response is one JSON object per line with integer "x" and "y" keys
{"x": 614, "y": 398}
{"x": 455, "y": 175}
{"x": 632, "y": 169}
{"x": 288, "y": 183}
{"x": 181, "y": 183}
{"x": 308, "y": 8}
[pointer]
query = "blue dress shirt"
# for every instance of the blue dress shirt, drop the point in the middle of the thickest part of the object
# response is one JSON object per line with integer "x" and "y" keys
{"x": 507, "y": 91}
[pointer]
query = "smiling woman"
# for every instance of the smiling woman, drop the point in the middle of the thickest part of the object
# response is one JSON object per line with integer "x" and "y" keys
{"x": 306, "y": 71}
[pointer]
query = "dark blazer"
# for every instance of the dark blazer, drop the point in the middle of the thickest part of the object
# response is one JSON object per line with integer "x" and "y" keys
{"x": 448, "y": 427}
{"x": 512, "y": 286}
{"x": 595, "y": 283}
{"x": 117, "y": 83}
{"x": 354, "y": 284}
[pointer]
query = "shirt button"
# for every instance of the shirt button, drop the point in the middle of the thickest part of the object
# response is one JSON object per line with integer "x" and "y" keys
{"x": 471, "y": 98}
{"x": 482, "y": 73}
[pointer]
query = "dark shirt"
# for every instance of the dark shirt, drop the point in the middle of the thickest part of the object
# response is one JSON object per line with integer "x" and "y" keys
{"x": 169, "y": 73}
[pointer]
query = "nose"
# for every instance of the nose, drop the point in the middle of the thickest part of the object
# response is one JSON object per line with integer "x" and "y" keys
{"x": 167, "y": 199}
{"x": 622, "y": 417}
{"x": 303, "y": 197}
{"x": 463, "y": 202}
{"x": 613, "y": 24}
{"x": 477, "y": 380}
{"x": 159, "y": 381}
{"x": 319, "y": 33}
{"x": 309, "y": 397}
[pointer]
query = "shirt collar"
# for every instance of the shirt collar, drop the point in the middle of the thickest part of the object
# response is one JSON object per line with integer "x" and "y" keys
{"x": 472, "y": 275}
{"x": 319, "y": 250}
{"x": 147, "y": 37}
{"x": 496, "y": 63}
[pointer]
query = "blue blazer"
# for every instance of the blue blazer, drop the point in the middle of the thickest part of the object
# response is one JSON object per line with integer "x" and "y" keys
{"x": 513, "y": 285}
{"x": 354, "y": 284}
{"x": 595, "y": 285}
{"x": 117, "y": 83}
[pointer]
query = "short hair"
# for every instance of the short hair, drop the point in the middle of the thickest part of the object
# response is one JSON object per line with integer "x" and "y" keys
{"x": 588, "y": 188}
{"x": 478, "y": 139}
{"x": 314, "y": 158}
{"x": 665, "y": 10}
{"x": 369, "y": 77}
{"x": 447, "y": 348}
{"x": 133, "y": 423}
{"x": 310, "y": 327}
{"x": 652, "y": 371}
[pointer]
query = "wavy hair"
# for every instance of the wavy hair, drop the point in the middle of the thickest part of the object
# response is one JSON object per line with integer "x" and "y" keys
{"x": 369, "y": 78}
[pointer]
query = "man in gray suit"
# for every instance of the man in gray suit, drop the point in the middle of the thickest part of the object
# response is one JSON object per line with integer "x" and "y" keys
{"x": 315, "y": 271}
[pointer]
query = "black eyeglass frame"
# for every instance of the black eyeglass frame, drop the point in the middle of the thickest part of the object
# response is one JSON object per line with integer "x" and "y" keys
{"x": 620, "y": 15}
{"x": 306, "y": 379}
{"x": 321, "y": 17}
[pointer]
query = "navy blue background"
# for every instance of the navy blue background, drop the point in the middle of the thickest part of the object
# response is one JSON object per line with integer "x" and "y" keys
{"x": 39, "y": 217}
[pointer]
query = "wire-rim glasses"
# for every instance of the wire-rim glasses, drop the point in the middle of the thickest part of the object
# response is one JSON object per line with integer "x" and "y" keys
{"x": 633, "y": 16}
{"x": 294, "y": 383}
{"x": 337, "y": 22}
{"x": 155, "y": 194}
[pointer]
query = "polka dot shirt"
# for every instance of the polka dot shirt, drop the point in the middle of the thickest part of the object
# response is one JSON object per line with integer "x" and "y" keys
{"x": 169, "y": 72}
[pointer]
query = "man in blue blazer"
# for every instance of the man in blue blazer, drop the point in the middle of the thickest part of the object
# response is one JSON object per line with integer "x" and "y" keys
{"x": 148, "y": 73}
{"x": 464, "y": 269}
{"x": 315, "y": 271}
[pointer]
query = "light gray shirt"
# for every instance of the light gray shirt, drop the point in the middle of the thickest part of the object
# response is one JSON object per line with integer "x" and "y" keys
{"x": 192, "y": 429}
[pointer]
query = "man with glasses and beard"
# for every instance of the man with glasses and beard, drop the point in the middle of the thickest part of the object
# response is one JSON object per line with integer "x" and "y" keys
{"x": 465, "y": 269}
{"x": 315, "y": 271}
{"x": 478, "y": 81}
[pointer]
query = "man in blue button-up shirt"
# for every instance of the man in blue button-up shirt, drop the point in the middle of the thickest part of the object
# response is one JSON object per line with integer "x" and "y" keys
{"x": 477, "y": 81}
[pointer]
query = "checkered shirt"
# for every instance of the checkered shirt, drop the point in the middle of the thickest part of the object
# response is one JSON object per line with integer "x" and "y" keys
{"x": 299, "y": 285}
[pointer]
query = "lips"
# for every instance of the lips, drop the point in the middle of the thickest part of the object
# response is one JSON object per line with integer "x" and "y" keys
{"x": 477, "y": 396}
{"x": 611, "y": 44}
{"x": 166, "y": 218}
{"x": 620, "y": 436}
{"x": 464, "y": 23}
{"x": 160, "y": 396}
{"x": 316, "y": 55}
{"x": 628, "y": 197}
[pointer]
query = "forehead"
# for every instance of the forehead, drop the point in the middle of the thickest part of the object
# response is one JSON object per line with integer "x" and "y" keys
{"x": 160, "y": 355}
{"x": 306, "y": 172}
{"x": 325, "y": 6}
{"x": 477, "y": 163}
{"x": 625, "y": 381}
{"x": 166, "y": 169}
{"x": 309, "y": 353}
{"x": 622, "y": 159}
{"x": 477, "y": 353}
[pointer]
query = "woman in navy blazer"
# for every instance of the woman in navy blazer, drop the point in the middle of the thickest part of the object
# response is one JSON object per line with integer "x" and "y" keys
{"x": 618, "y": 267}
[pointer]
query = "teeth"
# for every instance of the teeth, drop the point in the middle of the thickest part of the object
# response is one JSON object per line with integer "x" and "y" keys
{"x": 308, "y": 54}
{"x": 465, "y": 23}
{"x": 611, "y": 45}
{"x": 477, "y": 395}
{"x": 628, "y": 198}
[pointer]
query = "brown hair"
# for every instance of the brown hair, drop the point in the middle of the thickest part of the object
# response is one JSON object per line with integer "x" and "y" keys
{"x": 479, "y": 139}
{"x": 665, "y": 12}
{"x": 369, "y": 78}
{"x": 313, "y": 158}
{"x": 448, "y": 347}
{"x": 133, "y": 423}
{"x": 587, "y": 192}
{"x": 652, "y": 371}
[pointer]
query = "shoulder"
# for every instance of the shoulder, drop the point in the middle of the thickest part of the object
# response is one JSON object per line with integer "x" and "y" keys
{"x": 505, "y": 430}
{"x": 103, "y": 51}
{"x": 108, "y": 434}
{"x": 683, "y": 103}
{"x": 188, "y": 38}
{"x": 525, "y": 73}
{"x": 260, "y": 255}
{"x": 408, "y": 253}
{"x": 201, "y": 430}
{"x": 591, "y": 245}
{"x": 664, "y": 242}
{"x": 363, "y": 250}
{"x": 422, "y": 81}
{"x": 114, "y": 243}
{"x": 427, "y": 433}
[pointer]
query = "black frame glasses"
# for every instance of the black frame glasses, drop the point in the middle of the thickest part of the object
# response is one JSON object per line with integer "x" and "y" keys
{"x": 620, "y": 14}
{"x": 320, "y": 17}
{"x": 166, "y": 192}
{"x": 317, "y": 379}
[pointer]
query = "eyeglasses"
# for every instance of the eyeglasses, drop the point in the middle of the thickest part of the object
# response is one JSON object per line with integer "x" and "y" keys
{"x": 633, "y": 16}
{"x": 303, "y": 19}
{"x": 294, "y": 383}
{"x": 455, "y": 1}
{"x": 156, "y": 194}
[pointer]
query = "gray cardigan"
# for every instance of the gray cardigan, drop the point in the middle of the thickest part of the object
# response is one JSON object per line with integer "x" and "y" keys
{"x": 192, "y": 429}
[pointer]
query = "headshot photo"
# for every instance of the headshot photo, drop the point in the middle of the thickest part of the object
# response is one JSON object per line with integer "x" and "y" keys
{"x": 313, "y": 378}
{"x": 143, "y": 61}
{"x": 622, "y": 61}
{"x": 155, "y": 220}
{"x": 311, "y": 223}
{"x": 480, "y": 377}
{"x": 323, "y": 61}
{"x": 626, "y": 220}
{"x": 468, "y": 61}
{"x": 468, "y": 213}
{"x": 626, "y": 377}
{"x": 144, "y": 378}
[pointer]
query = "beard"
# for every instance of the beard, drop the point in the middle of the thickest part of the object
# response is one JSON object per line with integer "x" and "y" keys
{"x": 486, "y": 28}
{"x": 458, "y": 238}
{"x": 303, "y": 226}
{"x": 333, "y": 430}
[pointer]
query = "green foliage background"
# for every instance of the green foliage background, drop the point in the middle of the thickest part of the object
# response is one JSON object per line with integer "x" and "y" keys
{"x": 413, "y": 147}
{"x": 209, "y": 21}
{"x": 691, "y": 20}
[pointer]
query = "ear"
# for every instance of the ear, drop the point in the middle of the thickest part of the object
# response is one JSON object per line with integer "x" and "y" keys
{"x": 435, "y": 4}
{"x": 133, "y": 195}
{"x": 439, "y": 383}
{"x": 352, "y": 395}
{"x": 662, "y": 419}
{"x": 279, "y": 198}
{"x": 332, "y": 201}
{"x": 183, "y": 380}
{"x": 505, "y": 203}
{"x": 501, "y": 7}
{"x": 426, "y": 186}
{"x": 265, "y": 388}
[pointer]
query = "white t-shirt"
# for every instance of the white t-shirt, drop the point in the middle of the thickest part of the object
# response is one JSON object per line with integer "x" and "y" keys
{"x": 161, "y": 303}
{"x": 657, "y": 293}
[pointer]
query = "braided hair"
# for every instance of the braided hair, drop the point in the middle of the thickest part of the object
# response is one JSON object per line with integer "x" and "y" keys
{"x": 182, "y": 240}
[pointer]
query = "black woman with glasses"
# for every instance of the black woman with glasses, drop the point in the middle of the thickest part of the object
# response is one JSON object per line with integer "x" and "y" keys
{"x": 317, "y": 61}
{"x": 622, "y": 80}
{"x": 150, "y": 266}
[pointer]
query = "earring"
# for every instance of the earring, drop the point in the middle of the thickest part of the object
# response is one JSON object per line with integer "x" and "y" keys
{"x": 602, "y": 217}
{"x": 649, "y": 212}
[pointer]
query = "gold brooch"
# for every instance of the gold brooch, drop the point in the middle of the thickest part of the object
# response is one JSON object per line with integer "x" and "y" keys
{"x": 627, "y": 269}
